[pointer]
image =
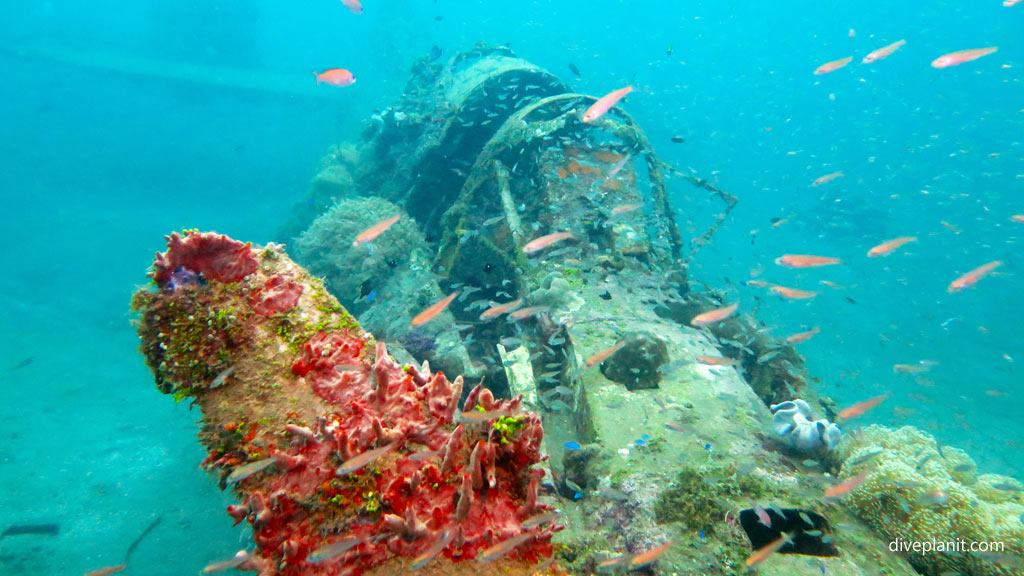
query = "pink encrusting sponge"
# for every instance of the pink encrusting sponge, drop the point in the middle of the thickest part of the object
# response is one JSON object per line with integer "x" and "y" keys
{"x": 343, "y": 460}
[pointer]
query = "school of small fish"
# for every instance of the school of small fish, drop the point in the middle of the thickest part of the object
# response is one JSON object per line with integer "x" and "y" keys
{"x": 514, "y": 310}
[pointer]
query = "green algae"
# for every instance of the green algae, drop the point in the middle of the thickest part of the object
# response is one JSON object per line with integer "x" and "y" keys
{"x": 507, "y": 426}
{"x": 690, "y": 500}
{"x": 192, "y": 334}
{"x": 700, "y": 498}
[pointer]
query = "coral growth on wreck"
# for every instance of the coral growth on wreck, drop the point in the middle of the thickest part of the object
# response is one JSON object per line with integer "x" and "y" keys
{"x": 343, "y": 459}
{"x": 917, "y": 492}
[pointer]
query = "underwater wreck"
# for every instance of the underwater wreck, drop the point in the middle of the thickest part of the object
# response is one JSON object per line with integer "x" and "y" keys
{"x": 618, "y": 437}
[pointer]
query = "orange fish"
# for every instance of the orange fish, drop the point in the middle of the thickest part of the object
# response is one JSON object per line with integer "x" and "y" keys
{"x": 883, "y": 52}
{"x": 1009, "y": 3}
{"x": 335, "y": 77}
{"x": 605, "y": 103}
{"x": 613, "y": 561}
{"x": 599, "y": 357}
{"x": 887, "y": 247}
{"x": 834, "y": 493}
{"x": 538, "y": 244}
{"x": 793, "y": 293}
{"x": 716, "y": 361}
{"x": 860, "y": 408}
{"x": 832, "y": 66}
{"x": 524, "y": 313}
{"x": 802, "y": 336}
{"x": 804, "y": 261}
{"x": 972, "y": 277}
{"x": 435, "y": 309}
{"x": 762, "y": 554}
{"x": 827, "y": 178}
{"x": 500, "y": 309}
{"x": 959, "y": 57}
{"x": 377, "y": 229}
{"x": 645, "y": 558}
{"x": 1018, "y": 218}
{"x": 713, "y": 316}
{"x": 623, "y": 208}
{"x": 353, "y": 5}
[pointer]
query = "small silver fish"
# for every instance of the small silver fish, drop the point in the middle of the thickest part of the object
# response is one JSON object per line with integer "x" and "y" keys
{"x": 558, "y": 406}
{"x": 333, "y": 549}
{"x": 433, "y": 551}
{"x": 542, "y": 518}
{"x": 222, "y": 377}
{"x": 543, "y": 566}
{"x": 613, "y": 494}
{"x": 866, "y": 457}
{"x": 504, "y": 547}
{"x": 356, "y": 463}
{"x": 466, "y": 292}
{"x": 423, "y": 455}
{"x": 564, "y": 391}
{"x": 242, "y": 472}
{"x": 352, "y": 367}
{"x": 218, "y": 567}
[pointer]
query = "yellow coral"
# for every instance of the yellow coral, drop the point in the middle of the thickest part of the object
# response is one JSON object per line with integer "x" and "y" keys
{"x": 915, "y": 494}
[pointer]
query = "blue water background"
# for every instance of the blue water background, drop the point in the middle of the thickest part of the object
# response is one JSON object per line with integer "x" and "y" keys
{"x": 97, "y": 165}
